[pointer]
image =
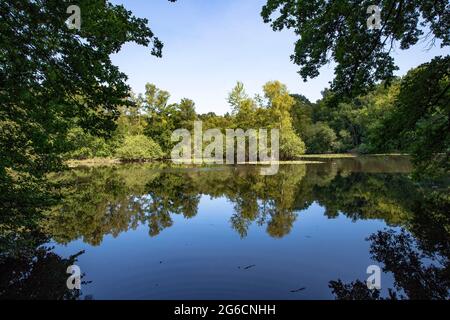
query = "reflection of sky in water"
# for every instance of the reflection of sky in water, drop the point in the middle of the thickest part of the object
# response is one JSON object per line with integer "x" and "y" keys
{"x": 200, "y": 258}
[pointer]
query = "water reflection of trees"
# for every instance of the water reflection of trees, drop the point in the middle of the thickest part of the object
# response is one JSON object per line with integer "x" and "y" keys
{"x": 418, "y": 258}
{"x": 36, "y": 273}
{"x": 368, "y": 196}
{"x": 100, "y": 201}
{"x": 109, "y": 200}
{"x": 113, "y": 200}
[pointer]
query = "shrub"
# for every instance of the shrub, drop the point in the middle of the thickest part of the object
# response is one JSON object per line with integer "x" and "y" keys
{"x": 291, "y": 146}
{"x": 83, "y": 145}
{"x": 321, "y": 138}
{"x": 139, "y": 147}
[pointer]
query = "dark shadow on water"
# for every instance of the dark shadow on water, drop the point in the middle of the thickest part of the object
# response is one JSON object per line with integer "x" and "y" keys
{"x": 37, "y": 274}
{"x": 418, "y": 256}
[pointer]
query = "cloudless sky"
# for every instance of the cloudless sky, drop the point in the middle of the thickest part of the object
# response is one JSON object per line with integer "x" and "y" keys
{"x": 211, "y": 44}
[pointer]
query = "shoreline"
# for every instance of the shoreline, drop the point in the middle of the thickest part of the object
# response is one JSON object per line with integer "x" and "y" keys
{"x": 304, "y": 159}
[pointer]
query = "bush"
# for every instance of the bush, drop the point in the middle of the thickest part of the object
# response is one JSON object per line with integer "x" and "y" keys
{"x": 321, "y": 138}
{"x": 139, "y": 147}
{"x": 291, "y": 146}
{"x": 83, "y": 145}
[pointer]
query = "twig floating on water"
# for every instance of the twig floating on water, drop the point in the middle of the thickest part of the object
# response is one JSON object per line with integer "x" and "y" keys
{"x": 248, "y": 267}
{"x": 298, "y": 290}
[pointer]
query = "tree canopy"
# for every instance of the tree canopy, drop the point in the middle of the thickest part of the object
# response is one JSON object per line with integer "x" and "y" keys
{"x": 53, "y": 78}
{"x": 337, "y": 31}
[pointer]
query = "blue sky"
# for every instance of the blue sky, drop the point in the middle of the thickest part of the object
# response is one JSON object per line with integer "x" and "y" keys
{"x": 211, "y": 44}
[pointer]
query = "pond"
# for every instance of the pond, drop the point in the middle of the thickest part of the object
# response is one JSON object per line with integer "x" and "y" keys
{"x": 149, "y": 231}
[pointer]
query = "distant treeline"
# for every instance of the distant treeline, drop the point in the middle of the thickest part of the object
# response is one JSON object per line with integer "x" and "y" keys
{"x": 381, "y": 121}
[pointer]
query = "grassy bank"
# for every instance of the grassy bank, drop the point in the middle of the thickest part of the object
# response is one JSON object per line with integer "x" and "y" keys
{"x": 109, "y": 161}
{"x": 92, "y": 162}
{"x": 329, "y": 156}
{"x": 348, "y": 155}
{"x": 304, "y": 159}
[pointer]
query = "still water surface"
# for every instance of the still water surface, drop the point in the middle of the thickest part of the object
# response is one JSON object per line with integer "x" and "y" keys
{"x": 310, "y": 232}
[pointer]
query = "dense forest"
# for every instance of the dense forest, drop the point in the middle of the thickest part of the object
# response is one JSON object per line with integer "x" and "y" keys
{"x": 364, "y": 124}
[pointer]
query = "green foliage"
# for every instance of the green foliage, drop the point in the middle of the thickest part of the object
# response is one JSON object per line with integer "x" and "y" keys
{"x": 211, "y": 120}
{"x": 131, "y": 120}
{"x": 148, "y": 194}
{"x": 186, "y": 115}
{"x": 237, "y": 96}
{"x": 419, "y": 121}
{"x": 347, "y": 126}
{"x": 85, "y": 145}
{"x": 291, "y": 146}
{"x": 139, "y": 147}
{"x": 302, "y": 114}
{"x": 337, "y": 31}
{"x": 51, "y": 79}
{"x": 163, "y": 118}
{"x": 54, "y": 79}
{"x": 276, "y": 113}
{"x": 320, "y": 138}
{"x": 280, "y": 105}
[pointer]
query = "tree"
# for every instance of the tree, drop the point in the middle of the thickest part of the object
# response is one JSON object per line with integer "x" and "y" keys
{"x": 52, "y": 75}
{"x": 211, "y": 121}
{"x": 86, "y": 145}
{"x": 355, "y": 121}
{"x": 244, "y": 108}
{"x": 52, "y": 78}
{"x": 337, "y": 30}
{"x": 237, "y": 96}
{"x": 302, "y": 114}
{"x": 320, "y": 138}
{"x": 419, "y": 123}
{"x": 186, "y": 114}
{"x": 156, "y": 100}
{"x": 159, "y": 114}
{"x": 131, "y": 120}
{"x": 163, "y": 118}
{"x": 280, "y": 105}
